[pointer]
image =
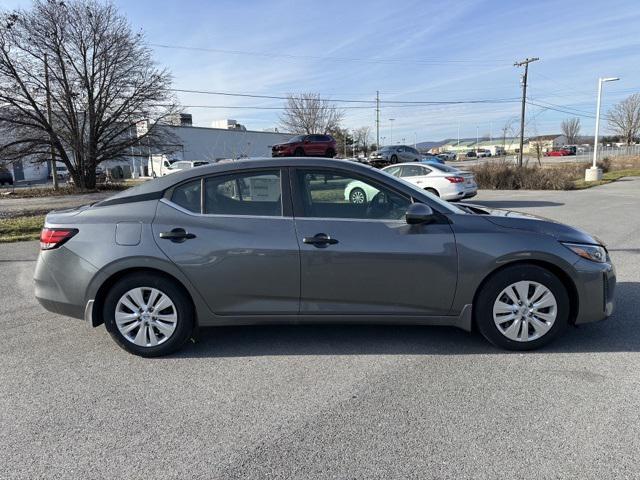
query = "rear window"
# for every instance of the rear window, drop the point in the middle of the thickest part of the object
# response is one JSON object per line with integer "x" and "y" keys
{"x": 442, "y": 168}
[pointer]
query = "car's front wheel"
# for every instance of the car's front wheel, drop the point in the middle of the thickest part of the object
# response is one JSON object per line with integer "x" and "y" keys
{"x": 358, "y": 196}
{"x": 299, "y": 152}
{"x": 148, "y": 315}
{"x": 522, "y": 307}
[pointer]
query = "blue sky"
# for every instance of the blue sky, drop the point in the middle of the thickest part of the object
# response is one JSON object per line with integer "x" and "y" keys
{"x": 423, "y": 50}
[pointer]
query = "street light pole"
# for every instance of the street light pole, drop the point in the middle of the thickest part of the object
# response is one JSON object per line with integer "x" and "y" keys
{"x": 594, "y": 173}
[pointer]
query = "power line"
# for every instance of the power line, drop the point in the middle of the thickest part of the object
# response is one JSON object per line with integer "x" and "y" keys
{"x": 560, "y": 110}
{"x": 342, "y": 100}
{"x": 577, "y": 110}
{"x": 271, "y": 54}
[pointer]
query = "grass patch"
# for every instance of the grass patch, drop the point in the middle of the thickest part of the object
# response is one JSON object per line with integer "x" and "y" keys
{"x": 20, "y": 229}
{"x": 507, "y": 176}
{"x": 608, "y": 177}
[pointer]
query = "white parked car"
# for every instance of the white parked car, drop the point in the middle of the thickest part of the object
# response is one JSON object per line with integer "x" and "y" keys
{"x": 184, "y": 165}
{"x": 444, "y": 181}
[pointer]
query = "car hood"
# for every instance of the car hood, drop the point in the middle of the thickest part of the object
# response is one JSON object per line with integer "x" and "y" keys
{"x": 532, "y": 223}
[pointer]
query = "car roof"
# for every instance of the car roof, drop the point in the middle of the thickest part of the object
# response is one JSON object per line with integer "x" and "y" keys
{"x": 163, "y": 183}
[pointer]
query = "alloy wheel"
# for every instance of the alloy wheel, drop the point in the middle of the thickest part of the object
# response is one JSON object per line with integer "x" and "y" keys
{"x": 357, "y": 196}
{"x": 525, "y": 311}
{"x": 146, "y": 317}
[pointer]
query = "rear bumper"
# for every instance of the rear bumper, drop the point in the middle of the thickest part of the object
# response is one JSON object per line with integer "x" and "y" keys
{"x": 596, "y": 284}
{"x": 61, "y": 279}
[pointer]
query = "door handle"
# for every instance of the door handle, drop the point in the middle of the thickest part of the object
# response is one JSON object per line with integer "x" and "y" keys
{"x": 320, "y": 240}
{"x": 177, "y": 235}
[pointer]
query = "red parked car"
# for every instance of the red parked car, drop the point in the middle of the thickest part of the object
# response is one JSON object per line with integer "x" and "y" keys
{"x": 306, "y": 146}
{"x": 559, "y": 152}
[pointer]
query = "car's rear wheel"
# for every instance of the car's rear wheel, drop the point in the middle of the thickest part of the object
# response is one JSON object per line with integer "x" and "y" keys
{"x": 358, "y": 196}
{"x": 299, "y": 152}
{"x": 522, "y": 307}
{"x": 148, "y": 315}
{"x": 433, "y": 191}
{"x": 330, "y": 153}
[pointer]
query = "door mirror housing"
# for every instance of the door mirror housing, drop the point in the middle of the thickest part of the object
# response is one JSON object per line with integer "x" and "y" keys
{"x": 419, "y": 213}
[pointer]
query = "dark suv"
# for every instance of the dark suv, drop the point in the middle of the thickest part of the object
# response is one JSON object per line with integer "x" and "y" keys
{"x": 5, "y": 176}
{"x": 306, "y": 146}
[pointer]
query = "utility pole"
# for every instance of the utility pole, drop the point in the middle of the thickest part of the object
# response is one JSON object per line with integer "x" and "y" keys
{"x": 378, "y": 119}
{"x": 524, "y": 63}
{"x": 391, "y": 120}
{"x": 52, "y": 162}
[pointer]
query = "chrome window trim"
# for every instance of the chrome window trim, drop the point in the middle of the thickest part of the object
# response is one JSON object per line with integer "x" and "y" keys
{"x": 221, "y": 215}
{"x": 332, "y": 219}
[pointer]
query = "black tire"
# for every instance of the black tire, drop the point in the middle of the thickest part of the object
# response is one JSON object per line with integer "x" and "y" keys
{"x": 394, "y": 159}
{"x": 358, "y": 196}
{"x": 483, "y": 307}
{"x": 433, "y": 191}
{"x": 299, "y": 152}
{"x": 330, "y": 153}
{"x": 185, "y": 313}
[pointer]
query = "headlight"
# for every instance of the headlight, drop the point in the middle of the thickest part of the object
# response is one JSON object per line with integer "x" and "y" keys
{"x": 595, "y": 253}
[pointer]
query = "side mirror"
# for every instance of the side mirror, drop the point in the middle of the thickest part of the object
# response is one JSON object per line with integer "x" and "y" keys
{"x": 418, "y": 213}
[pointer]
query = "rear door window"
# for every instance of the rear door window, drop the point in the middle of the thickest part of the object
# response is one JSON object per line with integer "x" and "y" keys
{"x": 188, "y": 195}
{"x": 254, "y": 193}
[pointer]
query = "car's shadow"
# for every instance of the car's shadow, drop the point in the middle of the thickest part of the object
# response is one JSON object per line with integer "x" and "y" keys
{"x": 516, "y": 203}
{"x": 620, "y": 333}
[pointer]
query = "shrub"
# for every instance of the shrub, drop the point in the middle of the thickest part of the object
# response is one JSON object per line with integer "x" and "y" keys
{"x": 505, "y": 176}
{"x": 605, "y": 164}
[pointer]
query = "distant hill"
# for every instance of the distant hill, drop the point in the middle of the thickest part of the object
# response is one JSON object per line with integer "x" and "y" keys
{"x": 430, "y": 144}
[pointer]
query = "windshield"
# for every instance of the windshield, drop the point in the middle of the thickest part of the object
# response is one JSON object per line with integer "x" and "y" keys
{"x": 297, "y": 139}
{"x": 442, "y": 168}
{"x": 446, "y": 206}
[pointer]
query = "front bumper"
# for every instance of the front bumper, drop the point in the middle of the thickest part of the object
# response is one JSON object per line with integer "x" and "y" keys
{"x": 596, "y": 284}
{"x": 281, "y": 153}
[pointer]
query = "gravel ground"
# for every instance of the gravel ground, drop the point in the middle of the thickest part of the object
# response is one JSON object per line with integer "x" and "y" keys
{"x": 330, "y": 401}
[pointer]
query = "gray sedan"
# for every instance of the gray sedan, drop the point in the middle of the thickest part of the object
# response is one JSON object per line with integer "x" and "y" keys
{"x": 394, "y": 154}
{"x": 275, "y": 240}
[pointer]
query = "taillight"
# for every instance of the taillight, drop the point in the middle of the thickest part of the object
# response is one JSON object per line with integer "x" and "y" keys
{"x": 455, "y": 179}
{"x": 54, "y": 237}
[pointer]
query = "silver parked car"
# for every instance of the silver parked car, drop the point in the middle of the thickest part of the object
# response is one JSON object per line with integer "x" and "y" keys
{"x": 275, "y": 240}
{"x": 394, "y": 154}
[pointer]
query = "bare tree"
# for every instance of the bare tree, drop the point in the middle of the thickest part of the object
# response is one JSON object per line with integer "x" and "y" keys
{"x": 107, "y": 97}
{"x": 361, "y": 138}
{"x": 508, "y": 130}
{"x": 571, "y": 129}
{"x": 624, "y": 118}
{"x": 307, "y": 113}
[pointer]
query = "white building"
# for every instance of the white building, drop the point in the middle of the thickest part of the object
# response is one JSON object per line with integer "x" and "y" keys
{"x": 212, "y": 144}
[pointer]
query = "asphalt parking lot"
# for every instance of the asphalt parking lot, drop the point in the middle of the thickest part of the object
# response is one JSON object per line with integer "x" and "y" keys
{"x": 330, "y": 401}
